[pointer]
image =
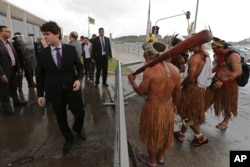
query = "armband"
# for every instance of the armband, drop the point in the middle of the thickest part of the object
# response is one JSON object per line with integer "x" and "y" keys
{"x": 235, "y": 64}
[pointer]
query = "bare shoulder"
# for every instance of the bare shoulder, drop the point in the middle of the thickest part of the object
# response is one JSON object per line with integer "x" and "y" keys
{"x": 195, "y": 58}
{"x": 234, "y": 56}
{"x": 149, "y": 71}
{"x": 173, "y": 68}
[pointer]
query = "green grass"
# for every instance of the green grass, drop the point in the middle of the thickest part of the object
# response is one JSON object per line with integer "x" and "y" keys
{"x": 112, "y": 65}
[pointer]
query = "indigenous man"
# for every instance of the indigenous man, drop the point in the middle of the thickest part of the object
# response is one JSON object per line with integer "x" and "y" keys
{"x": 223, "y": 93}
{"x": 161, "y": 84}
{"x": 192, "y": 104}
{"x": 180, "y": 60}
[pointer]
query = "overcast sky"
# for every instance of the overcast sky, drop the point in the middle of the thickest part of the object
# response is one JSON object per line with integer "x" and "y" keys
{"x": 129, "y": 17}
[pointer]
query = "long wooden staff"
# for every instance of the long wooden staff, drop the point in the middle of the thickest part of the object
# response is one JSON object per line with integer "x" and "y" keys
{"x": 200, "y": 38}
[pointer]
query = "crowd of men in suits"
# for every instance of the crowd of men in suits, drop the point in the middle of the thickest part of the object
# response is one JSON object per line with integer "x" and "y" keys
{"x": 59, "y": 72}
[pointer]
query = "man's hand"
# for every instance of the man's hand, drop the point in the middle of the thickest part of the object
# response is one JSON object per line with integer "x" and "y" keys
{"x": 20, "y": 72}
{"x": 41, "y": 101}
{"x": 76, "y": 85}
{"x": 131, "y": 77}
{"x": 4, "y": 79}
{"x": 218, "y": 84}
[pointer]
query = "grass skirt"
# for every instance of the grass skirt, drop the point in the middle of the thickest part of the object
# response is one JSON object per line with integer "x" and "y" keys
{"x": 157, "y": 125}
{"x": 192, "y": 104}
{"x": 225, "y": 99}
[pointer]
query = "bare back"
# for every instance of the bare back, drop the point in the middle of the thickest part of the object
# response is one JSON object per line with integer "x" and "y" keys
{"x": 161, "y": 87}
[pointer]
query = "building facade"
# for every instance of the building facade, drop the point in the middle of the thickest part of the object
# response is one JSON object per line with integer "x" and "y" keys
{"x": 19, "y": 20}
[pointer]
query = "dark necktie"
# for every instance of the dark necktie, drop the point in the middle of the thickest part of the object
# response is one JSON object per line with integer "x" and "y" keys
{"x": 59, "y": 58}
{"x": 103, "y": 44}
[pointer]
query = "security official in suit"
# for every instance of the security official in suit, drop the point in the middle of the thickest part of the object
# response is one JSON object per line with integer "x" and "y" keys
{"x": 9, "y": 69}
{"x": 60, "y": 66}
{"x": 101, "y": 54}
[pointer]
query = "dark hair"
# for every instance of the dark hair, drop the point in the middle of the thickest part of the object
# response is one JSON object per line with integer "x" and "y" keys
{"x": 101, "y": 28}
{"x": 175, "y": 40}
{"x": 52, "y": 27}
{"x": 2, "y": 27}
{"x": 223, "y": 44}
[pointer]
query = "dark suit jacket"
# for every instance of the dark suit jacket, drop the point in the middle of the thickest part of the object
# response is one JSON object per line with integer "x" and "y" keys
{"x": 97, "y": 49}
{"x": 5, "y": 61}
{"x": 55, "y": 79}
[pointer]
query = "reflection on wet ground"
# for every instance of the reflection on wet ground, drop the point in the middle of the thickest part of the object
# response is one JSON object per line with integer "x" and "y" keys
{"x": 31, "y": 136}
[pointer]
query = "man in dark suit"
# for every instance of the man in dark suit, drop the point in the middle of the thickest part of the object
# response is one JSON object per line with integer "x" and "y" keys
{"x": 101, "y": 54}
{"x": 60, "y": 66}
{"x": 9, "y": 67}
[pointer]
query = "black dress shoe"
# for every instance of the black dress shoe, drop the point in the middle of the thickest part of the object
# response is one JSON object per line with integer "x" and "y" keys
{"x": 67, "y": 147}
{"x": 82, "y": 136}
{"x": 105, "y": 84}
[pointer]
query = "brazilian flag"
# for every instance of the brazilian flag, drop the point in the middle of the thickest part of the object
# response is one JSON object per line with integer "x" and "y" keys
{"x": 91, "y": 20}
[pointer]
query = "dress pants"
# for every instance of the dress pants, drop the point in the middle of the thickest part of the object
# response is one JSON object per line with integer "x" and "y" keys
{"x": 102, "y": 67}
{"x": 90, "y": 68}
{"x": 74, "y": 100}
{"x": 7, "y": 90}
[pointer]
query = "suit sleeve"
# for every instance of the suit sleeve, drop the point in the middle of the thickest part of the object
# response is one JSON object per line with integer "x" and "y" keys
{"x": 93, "y": 49}
{"x": 40, "y": 76}
{"x": 18, "y": 66}
{"x": 1, "y": 68}
{"x": 78, "y": 66}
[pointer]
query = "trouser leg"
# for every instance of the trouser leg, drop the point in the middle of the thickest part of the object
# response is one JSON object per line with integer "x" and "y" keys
{"x": 104, "y": 72}
{"x": 98, "y": 73}
{"x": 29, "y": 74}
{"x": 61, "y": 115}
{"x": 5, "y": 98}
{"x": 91, "y": 70}
{"x": 20, "y": 82}
{"x": 77, "y": 109}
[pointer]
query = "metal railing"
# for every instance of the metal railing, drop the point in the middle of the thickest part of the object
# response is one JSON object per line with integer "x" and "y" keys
{"x": 121, "y": 147}
{"x": 129, "y": 48}
{"x": 121, "y": 150}
{"x": 131, "y": 55}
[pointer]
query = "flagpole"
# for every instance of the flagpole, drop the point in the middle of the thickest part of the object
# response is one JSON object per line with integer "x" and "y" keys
{"x": 148, "y": 29}
{"x": 196, "y": 14}
{"x": 88, "y": 27}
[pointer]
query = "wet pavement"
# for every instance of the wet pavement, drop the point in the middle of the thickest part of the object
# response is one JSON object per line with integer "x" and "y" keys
{"x": 213, "y": 154}
{"x": 31, "y": 137}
